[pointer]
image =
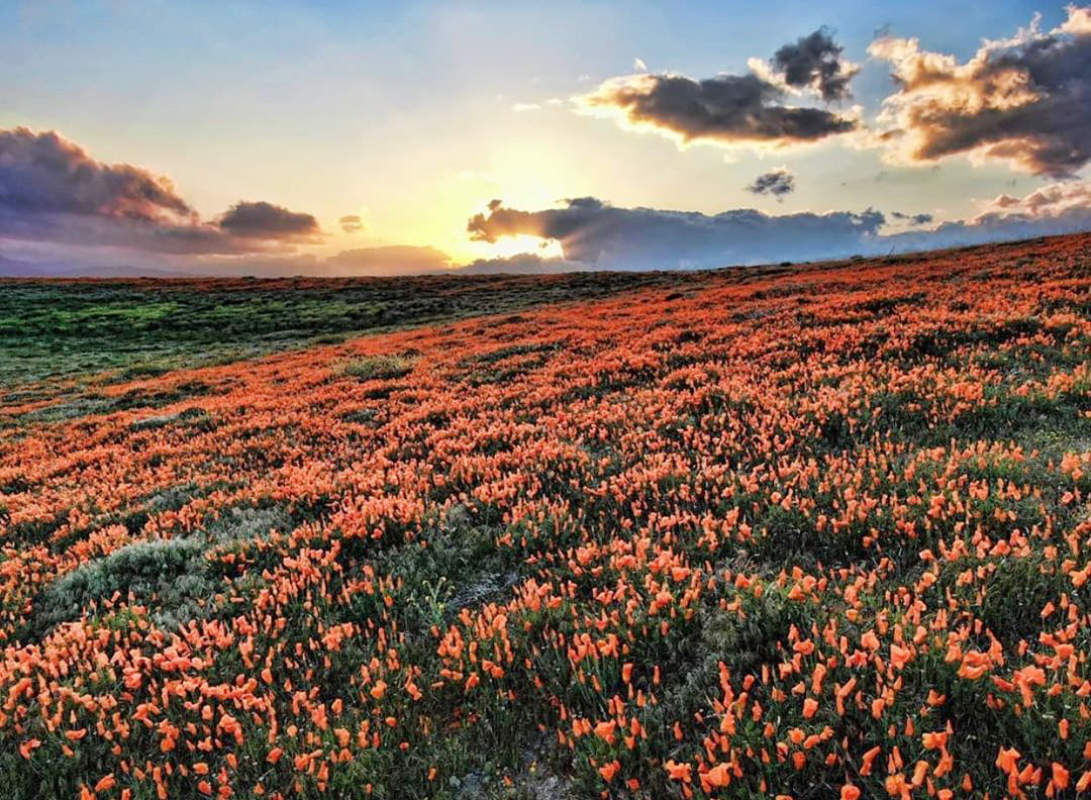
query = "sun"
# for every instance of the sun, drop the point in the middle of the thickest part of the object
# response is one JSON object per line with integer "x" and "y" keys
{"x": 509, "y": 246}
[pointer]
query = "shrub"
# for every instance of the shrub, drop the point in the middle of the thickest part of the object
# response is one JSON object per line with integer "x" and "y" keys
{"x": 169, "y": 572}
{"x": 378, "y": 367}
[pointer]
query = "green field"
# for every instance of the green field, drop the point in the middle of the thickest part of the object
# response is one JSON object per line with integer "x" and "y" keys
{"x": 100, "y": 332}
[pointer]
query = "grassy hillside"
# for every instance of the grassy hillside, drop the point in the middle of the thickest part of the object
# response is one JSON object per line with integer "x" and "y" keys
{"x": 809, "y": 532}
{"x": 122, "y": 329}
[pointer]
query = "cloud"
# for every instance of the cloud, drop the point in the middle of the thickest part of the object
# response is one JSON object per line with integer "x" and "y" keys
{"x": 1059, "y": 201}
{"x": 390, "y": 260}
{"x": 367, "y": 262}
{"x": 351, "y": 223}
{"x": 385, "y": 261}
{"x": 93, "y": 231}
{"x": 778, "y": 182}
{"x": 595, "y": 235}
{"x": 639, "y": 65}
{"x": 1026, "y": 100}
{"x": 607, "y": 237}
{"x": 521, "y": 264}
{"x": 520, "y": 108}
{"x": 815, "y": 62}
{"x": 727, "y": 109}
{"x": 912, "y": 219}
{"x": 42, "y": 173}
{"x": 736, "y": 109}
{"x": 1078, "y": 22}
{"x": 53, "y": 191}
{"x": 601, "y": 236}
{"x": 1054, "y": 209}
{"x": 261, "y": 220}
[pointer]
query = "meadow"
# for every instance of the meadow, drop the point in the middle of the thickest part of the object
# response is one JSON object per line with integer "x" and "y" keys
{"x": 92, "y": 331}
{"x": 810, "y": 532}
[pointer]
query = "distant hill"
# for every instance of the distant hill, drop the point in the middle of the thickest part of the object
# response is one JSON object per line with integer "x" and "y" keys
{"x": 12, "y": 268}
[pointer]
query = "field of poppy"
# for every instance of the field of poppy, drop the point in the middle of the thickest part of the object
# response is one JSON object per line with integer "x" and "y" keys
{"x": 810, "y": 532}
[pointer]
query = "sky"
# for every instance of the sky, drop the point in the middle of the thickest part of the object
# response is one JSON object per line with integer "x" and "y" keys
{"x": 384, "y": 138}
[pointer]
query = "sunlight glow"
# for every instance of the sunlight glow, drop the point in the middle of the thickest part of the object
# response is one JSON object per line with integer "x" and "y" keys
{"x": 517, "y": 245}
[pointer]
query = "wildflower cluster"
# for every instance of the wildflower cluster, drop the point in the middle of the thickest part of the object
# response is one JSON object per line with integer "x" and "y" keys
{"x": 816, "y": 532}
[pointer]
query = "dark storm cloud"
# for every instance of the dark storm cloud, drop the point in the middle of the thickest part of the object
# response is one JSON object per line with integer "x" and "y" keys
{"x": 746, "y": 108}
{"x": 263, "y": 220}
{"x": 778, "y": 182}
{"x": 351, "y": 223}
{"x": 815, "y": 62}
{"x": 53, "y": 191}
{"x": 1026, "y": 100}
{"x": 604, "y": 236}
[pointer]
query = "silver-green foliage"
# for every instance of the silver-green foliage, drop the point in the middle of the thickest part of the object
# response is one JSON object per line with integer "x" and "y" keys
{"x": 164, "y": 572}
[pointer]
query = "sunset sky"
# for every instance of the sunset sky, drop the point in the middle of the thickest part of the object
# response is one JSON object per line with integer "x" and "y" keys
{"x": 364, "y": 138}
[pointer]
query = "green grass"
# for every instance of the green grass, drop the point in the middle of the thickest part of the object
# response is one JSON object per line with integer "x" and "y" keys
{"x": 114, "y": 331}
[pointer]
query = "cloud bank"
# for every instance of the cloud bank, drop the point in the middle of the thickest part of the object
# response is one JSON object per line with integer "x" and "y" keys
{"x": 604, "y": 236}
{"x": 388, "y": 261}
{"x": 596, "y": 235}
{"x": 601, "y": 236}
